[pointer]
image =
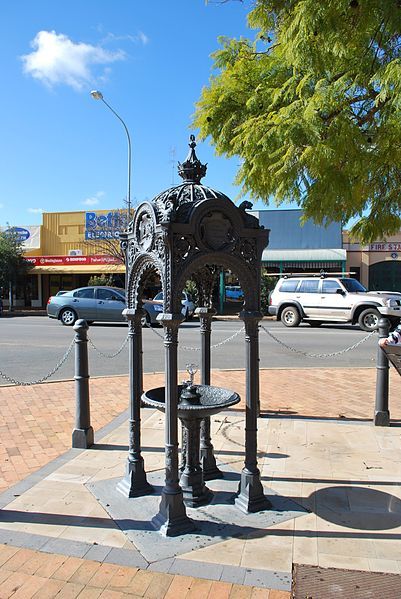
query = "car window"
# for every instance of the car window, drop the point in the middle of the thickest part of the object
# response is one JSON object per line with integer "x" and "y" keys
{"x": 353, "y": 285}
{"x": 108, "y": 294}
{"x": 289, "y": 285}
{"x": 309, "y": 286}
{"x": 330, "y": 287}
{"x": 159, "y": 296}
{"x": 88, "y": 292}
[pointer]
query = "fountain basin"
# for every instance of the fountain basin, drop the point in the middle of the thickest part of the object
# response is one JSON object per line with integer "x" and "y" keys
{"x": 211, "y": 401}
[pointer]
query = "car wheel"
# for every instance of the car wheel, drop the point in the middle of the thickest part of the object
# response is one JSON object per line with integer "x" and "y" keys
{"x": 145, "y": 320}
{"x": 68, "y": 317}
{"x": 315, "y": 323}
{"x": 290, "y": 316}
{"x": 368, "y": 319}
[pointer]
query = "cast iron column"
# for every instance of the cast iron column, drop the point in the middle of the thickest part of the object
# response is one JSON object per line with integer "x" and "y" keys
{"x": 82, "y": 435}
{"x": 172, "y": 518}
{"x": 250, "y": 494}
{"x": 134, "y": 483}
{"x": 382, "y": 414}
{"x": 208, "y": 461}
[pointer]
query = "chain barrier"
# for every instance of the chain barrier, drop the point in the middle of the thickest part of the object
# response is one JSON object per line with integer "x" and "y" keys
{"x": 108, "y": 355}
{"x": 186, "y": 348}
{"x": 44, "y": 378}
{"x": 309, "y": 355}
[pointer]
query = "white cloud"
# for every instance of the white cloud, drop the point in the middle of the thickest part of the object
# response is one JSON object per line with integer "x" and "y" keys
{"x": 90, "y": 202}
{"x": 139, "y": 38}
{"x": 93, "y": 200}
{"x": 35, "y": 210}
{"x": 142, "y": 37}
{"x": 58, "y": 60}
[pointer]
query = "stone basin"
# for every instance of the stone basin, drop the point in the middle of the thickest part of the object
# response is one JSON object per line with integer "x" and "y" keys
{"x": 211, "y": 401}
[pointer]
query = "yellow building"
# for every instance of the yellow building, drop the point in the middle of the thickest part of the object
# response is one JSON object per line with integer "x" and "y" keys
{"x": 67, "y": 249}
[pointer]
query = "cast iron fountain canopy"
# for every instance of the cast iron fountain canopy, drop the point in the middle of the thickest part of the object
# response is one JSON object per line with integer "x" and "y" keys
{"x": 192, "y": 231}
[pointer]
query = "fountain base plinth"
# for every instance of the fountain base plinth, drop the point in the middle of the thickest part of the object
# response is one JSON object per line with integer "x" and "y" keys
{"x": 172, "y": 519}
{"x": 251, "y": 498}
{"x": 134, "y": 483}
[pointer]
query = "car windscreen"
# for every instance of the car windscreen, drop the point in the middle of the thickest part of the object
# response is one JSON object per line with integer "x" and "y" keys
{"x": 353, "y": 286}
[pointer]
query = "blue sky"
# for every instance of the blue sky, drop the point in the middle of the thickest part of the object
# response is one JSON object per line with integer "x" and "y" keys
{"x": 62, "y": 150}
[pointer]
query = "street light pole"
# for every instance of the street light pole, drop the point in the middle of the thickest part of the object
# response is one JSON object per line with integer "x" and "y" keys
{"x": 97, "y": 95}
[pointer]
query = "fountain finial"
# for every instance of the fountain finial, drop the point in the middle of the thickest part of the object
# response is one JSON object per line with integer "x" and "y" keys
{"x": 192, "y": 170}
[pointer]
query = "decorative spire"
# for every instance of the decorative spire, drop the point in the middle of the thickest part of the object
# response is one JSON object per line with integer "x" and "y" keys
{"x": 192, "y": 170}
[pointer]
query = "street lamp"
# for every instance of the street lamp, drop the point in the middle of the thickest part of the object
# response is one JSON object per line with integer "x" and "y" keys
{"x": 97, "y": 95}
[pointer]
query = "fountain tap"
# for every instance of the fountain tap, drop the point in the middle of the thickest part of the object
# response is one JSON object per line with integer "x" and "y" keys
{"x": 189, "y": 394}
{"x": 192, "y": 369}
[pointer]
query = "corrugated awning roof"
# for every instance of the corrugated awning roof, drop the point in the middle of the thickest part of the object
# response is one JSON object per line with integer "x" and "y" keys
{"x": 309, "y": 255}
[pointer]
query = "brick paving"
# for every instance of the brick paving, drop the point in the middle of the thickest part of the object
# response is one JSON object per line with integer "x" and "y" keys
{"x": 36, "y": 424}
{"x": 25, "y": 574}
{"x": 36, "y": 421}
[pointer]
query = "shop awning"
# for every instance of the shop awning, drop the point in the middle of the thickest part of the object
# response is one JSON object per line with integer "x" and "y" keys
{"x": 308, "y": 255}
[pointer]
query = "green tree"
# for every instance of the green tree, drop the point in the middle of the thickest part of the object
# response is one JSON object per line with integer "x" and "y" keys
{"x": 12, "y": 263}
{"x": 312, "y": 106}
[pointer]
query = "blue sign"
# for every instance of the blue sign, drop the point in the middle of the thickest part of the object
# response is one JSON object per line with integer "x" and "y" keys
{"x": 20, "y": 233}
{"x": 104, "y": 226}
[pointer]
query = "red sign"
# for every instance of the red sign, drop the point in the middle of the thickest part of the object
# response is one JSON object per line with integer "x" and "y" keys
{"x": 71, "y": 260}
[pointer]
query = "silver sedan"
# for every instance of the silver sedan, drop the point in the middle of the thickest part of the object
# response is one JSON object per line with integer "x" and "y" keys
{"x": 102, "y": 304}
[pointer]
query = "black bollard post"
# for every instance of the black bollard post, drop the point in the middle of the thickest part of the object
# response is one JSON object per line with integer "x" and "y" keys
{"x": 82, "y": 435}
{"x": 382, "y": 414}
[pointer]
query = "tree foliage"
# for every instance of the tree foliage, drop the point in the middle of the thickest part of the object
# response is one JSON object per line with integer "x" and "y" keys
{"x": 12, "y": 262}
{"x": 312, "y": 106}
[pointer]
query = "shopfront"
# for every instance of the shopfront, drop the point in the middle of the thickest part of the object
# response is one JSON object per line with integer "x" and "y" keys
{"x": 378, "y": 264}
{"x": 67, "y": 250}
{"x": 296, "y": 247}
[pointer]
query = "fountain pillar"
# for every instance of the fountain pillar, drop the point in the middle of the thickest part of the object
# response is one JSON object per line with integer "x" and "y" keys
{"x": 134, "y": 483}
{"x": 208, "y": 461}
{"x": 250, "y": 494}
{"x": 172, "y": 518}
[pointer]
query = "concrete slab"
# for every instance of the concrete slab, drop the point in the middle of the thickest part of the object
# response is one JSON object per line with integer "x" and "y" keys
{"x": 216, "y": 522}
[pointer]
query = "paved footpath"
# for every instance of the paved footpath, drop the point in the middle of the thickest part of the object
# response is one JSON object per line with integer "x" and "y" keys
{"x": 36, "y": 424}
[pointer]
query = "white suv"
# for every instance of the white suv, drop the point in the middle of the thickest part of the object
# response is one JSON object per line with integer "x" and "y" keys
{"x": 324, "y": 298}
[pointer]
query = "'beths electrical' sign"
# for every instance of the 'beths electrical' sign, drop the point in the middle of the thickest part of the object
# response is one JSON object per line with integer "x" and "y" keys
{"x": 104, "y": 226}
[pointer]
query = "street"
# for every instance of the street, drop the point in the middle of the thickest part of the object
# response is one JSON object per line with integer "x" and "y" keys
{"x": 32, "y": 346}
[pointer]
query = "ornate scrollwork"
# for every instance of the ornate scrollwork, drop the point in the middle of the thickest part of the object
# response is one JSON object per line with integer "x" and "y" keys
{"x": 144, "y": 228}
{"x": 247, "y": 250}
{"x": 217, "y": 232}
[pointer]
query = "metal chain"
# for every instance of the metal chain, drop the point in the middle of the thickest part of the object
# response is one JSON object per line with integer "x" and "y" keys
{"x": 43, "y": 379}
{"x": 309, "y": 355}
{"x": 241, "y": 330}
{"x": 216, "y": 344}
{"x": 108, "y": 355}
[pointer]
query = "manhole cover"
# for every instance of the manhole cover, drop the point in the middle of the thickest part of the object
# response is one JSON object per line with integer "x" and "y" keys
{"x": 313, "y": 582}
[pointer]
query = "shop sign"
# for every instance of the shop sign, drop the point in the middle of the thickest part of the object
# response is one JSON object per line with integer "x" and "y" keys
{"x": 392, "y": 246}
{"x": 104, "y": 226}
{"x": 28, "y": 236}
{"x": 71, "y": 260}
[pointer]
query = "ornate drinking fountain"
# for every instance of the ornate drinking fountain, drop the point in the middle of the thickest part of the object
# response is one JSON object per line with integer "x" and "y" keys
{"x": 195, "y": 403}
{"x": 190, "y": 231}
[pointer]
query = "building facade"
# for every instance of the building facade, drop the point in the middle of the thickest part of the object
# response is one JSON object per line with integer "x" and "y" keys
{"x": 377, "y": 265}
{"x": 296, "y": 247}
{"x": 66, "y": 250}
